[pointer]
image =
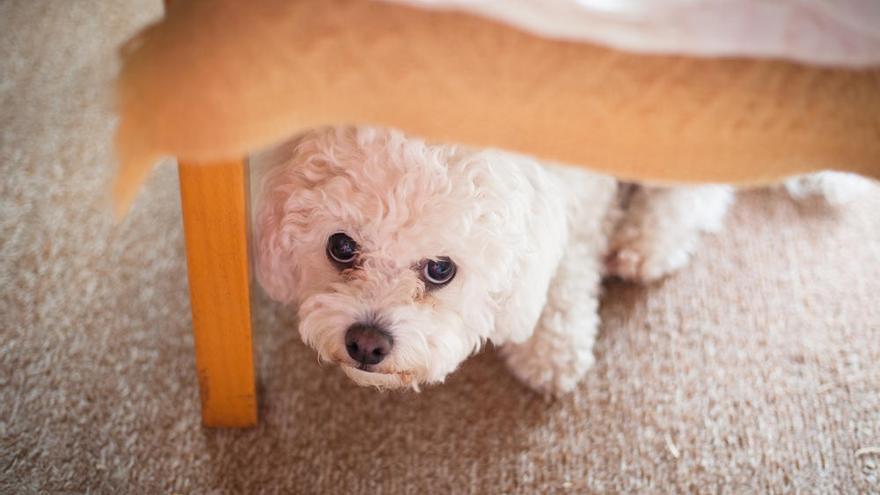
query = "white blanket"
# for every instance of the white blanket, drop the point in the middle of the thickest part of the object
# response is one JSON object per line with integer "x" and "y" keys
{"x": 832, "y": 32}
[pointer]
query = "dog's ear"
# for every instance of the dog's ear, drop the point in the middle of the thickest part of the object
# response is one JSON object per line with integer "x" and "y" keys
{"x": 272, "y": 244}
{"x": 546, "y": 230}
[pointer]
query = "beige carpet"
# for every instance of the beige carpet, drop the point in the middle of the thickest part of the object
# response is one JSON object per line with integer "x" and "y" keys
{"x": 755, "y": 370}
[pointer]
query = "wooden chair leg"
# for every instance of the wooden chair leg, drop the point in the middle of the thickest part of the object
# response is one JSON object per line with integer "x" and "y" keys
{"x": 214, "y": 204}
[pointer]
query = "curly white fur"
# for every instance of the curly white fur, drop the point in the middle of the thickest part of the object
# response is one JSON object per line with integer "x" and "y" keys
{"x": 531, "y": 243}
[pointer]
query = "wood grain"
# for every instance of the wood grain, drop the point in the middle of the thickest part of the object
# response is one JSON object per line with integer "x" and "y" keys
{"x": 214, "y": 204}
{"x": 218, "y": 79}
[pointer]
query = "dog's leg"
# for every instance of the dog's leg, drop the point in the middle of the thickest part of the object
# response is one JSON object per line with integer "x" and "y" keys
{"x": 560, "y": 351}
{"x": 661, "y": 229}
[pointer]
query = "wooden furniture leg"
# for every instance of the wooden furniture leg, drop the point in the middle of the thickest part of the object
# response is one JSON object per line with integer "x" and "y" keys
{"x": 214, "y": 204}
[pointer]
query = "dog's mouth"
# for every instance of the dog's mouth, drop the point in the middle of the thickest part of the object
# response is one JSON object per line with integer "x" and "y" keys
{"x": 381, "y": 380}
{"x": 364, "y": 374}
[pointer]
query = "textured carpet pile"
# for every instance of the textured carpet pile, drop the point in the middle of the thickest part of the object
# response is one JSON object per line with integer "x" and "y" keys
{"x": 754, "y": 370}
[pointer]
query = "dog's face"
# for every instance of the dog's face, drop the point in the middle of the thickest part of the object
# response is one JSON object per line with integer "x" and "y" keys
{"x": 398, "y": 255}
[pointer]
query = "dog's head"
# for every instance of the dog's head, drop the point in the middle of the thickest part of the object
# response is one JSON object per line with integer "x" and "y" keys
{"x": 398, "y": 255}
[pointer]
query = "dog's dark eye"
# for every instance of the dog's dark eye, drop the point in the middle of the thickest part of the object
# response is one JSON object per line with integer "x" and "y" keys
{"x": 438, "y": 272}
{"x": 341, "y": 249}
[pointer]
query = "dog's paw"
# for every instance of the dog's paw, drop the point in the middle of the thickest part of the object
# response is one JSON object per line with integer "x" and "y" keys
{"x": 552, "y": 372}
{"x": 638, "y": 256}
{"x": 662, "y": 228}
{"x": 835, "y": 188}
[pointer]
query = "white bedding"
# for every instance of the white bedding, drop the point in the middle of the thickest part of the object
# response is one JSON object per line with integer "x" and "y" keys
{"x": 833, "y": 32}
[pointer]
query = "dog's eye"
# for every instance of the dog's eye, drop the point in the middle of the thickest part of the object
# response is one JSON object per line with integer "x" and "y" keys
{"x": 341, "y": 249}
{"x": 438, "y": 272}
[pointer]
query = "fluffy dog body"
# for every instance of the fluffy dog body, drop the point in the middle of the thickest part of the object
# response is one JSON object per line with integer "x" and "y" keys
{"x": 504, "y": 220}
{"x": 530, "y": 242}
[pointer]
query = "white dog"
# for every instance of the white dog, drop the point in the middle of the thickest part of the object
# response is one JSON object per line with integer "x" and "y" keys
{"x": 403, "y": 258}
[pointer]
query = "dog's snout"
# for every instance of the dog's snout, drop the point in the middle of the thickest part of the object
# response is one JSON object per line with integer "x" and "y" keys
{"x": 367, "y": 344}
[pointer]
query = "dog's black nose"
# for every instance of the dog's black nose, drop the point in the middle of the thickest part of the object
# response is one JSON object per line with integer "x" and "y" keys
{"x": 367, "y": 344}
